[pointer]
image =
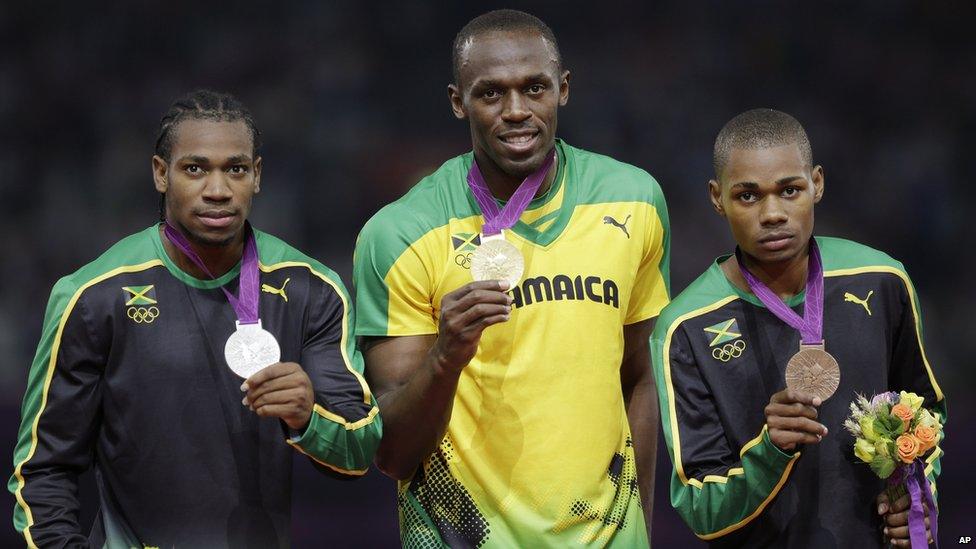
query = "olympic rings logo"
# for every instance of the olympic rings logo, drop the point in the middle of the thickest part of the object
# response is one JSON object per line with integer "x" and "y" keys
{"x": 141, "y": 315}
{"x": 463, "y": 260}
{"x": 729, "y": 351}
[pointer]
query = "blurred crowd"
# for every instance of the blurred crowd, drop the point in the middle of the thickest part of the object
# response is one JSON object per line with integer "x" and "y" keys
{"x": 352, "y": 103}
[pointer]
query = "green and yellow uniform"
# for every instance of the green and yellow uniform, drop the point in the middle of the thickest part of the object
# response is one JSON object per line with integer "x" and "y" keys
{"x": 130, "y": 380}
{"x": 538, "y": 450}
{"x": 719, "y": 354}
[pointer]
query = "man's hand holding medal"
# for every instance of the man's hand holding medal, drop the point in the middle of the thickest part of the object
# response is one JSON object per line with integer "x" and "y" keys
{"x": 812, "y": 374}
{"x": 791, "y": 419}
{"x": 274, "y": 389}
{"x": 465, "y": 313}
{"x": 282, "y": 390}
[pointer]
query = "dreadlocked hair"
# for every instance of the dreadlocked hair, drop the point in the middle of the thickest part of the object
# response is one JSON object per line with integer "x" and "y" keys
{"x": 203, "y": 105}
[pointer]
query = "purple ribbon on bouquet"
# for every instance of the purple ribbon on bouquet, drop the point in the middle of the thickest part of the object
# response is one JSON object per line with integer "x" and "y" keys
{"x": 246, "y": 306}
{"x": 497, "y": 219}
{"x": 913, "y": 477}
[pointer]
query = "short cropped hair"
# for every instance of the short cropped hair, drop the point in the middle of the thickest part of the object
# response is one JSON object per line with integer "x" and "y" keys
{"x": 759, "y": 129}
{"x": 500, "y": 20}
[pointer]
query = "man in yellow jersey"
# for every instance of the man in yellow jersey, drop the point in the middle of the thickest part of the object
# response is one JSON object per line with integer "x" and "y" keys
{"x": 506, "y": 404}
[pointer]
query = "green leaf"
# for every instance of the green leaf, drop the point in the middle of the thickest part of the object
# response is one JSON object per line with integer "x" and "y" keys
{"x": 882, "y": 466}
{"x": 887, "y": 425}
{"x": 881, "y": 428}
{"x": 895, "y": 424}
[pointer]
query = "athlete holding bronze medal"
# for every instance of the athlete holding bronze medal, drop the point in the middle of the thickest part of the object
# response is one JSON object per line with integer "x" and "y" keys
{"x": 757, "y": 464}
{"x": 812, "y": 370}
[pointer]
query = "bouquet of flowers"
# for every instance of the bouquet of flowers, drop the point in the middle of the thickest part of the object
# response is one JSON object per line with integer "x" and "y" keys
{"x": 893, "y": 433}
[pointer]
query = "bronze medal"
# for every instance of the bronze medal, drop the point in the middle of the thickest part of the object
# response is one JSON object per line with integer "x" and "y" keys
{"x": 814, "y": 371}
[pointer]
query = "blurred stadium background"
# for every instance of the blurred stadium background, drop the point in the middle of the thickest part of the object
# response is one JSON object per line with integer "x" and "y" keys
{"x": 351, "y": 99}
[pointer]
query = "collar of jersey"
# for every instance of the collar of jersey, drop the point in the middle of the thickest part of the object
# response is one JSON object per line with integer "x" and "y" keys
{"x": 749, "y": 296}
{"x": 184, "y": 277}
{"x": 563, "y": 180}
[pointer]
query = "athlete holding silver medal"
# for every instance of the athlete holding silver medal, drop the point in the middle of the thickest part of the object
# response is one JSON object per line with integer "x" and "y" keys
{"x": 250, "y": 348}
{"x": 138, "y": 372}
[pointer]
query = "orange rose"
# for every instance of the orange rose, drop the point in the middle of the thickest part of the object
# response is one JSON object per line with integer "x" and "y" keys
{"x": 908, "y": 448}
{"x": 926, "y": 438}
{"x": 904, "y": 413}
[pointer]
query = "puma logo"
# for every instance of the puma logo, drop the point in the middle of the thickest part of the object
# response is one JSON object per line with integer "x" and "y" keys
{"x": 609, "y": 220}
{"x": 862, "y": 302}
{"x": 278, "y": 291}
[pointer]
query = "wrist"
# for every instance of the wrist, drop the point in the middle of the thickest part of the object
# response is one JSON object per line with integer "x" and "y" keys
{"x": 782, "y": 452}
{"x": 295, "y": 435}
{"x": 299, "y": 423}
{"x": 441, "y": 365}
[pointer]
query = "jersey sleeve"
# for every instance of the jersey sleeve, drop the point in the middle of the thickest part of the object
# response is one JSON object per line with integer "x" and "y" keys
{"x": 59, "y": 420}
{"x": 716, "y": 488}
{"x": 392, "y": 276}
{"x": 652, "y": 286}
{"x": 345, "y": 427}
{"x": 910, "y": 369}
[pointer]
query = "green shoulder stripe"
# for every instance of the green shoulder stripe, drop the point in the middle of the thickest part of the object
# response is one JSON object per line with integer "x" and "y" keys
{"x": 274, "y": 251}
{"x": 132, "y": 254}
{"x": 841, "y": 254}
{"x": 276, "y": 254}
{"x": 382, "y": 241}
{"x": 134, "y": 249}
{"x": 429, "y": 205}
{"x": 604, "y": 179}
{"x": 64, "y": 292}
{"x": 844, "y": 257}
{"x": 710, "y": 287}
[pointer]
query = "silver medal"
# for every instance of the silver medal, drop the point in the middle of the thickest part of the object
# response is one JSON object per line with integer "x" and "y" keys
{"x": 250, "y": 349}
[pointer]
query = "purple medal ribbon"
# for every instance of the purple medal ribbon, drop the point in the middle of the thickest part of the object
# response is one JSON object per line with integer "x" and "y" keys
{"x": 913, "y": 476}
{"x": 496, "y": 220}
{"x": 811, "y": 324}
{"x": 247, "y": 306}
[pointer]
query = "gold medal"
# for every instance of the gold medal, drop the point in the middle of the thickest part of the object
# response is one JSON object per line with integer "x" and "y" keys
{"x": 814, "y": 371}
{"x": 497, "y": 259}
